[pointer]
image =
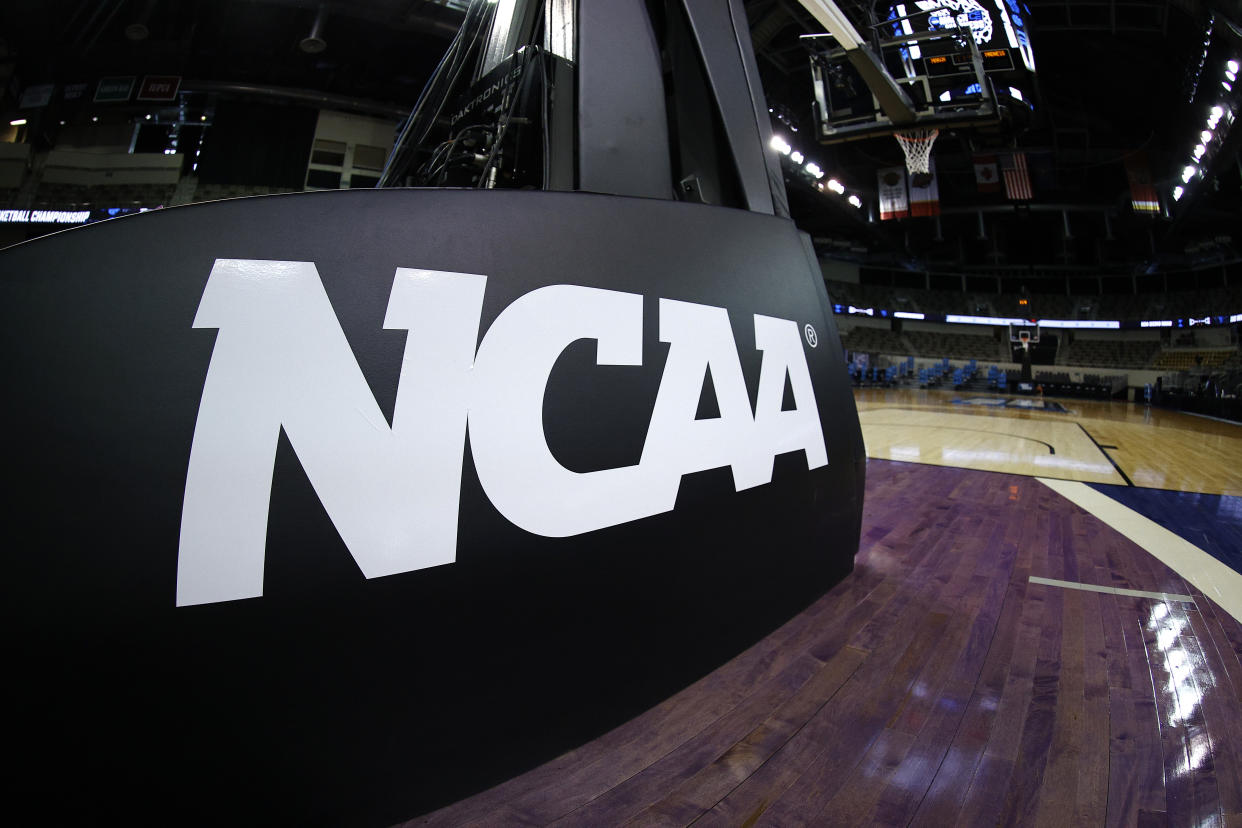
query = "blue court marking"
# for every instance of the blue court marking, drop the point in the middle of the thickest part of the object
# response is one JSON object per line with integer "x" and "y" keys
{"x": 988, "y": 402}
{"x": 1022, "y": 403}
{"x": 1211, "y": 522}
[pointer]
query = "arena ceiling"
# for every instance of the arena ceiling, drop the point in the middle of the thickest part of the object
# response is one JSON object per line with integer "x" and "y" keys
{"x": 1114, "y": 76}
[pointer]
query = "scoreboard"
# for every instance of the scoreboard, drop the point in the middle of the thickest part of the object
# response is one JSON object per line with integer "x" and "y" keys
{"x": 959, "y": 61}
{"x": 997, "y": 27}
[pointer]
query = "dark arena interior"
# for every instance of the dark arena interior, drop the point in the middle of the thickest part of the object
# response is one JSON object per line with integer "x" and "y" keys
{"x": 716, "y": 412}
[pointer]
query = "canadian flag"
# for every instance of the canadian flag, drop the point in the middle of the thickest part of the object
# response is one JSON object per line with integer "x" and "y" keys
{"x": 987, "y": 173}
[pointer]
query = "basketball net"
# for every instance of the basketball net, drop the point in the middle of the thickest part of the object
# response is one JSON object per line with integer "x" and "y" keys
{"x": 917, "y": 145}
{"x": 1025, "y": 339}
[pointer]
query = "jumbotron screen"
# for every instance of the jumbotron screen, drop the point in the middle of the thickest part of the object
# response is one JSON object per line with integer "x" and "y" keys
{"x": 999, "y": 28}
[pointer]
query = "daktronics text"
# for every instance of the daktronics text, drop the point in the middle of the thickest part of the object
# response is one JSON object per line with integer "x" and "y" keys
{"x": 281, "y": 360}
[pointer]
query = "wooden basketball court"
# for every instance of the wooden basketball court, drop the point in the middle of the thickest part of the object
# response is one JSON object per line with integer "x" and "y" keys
{"x": 1042, "y": 628}
{"x": 1086, "y": 440}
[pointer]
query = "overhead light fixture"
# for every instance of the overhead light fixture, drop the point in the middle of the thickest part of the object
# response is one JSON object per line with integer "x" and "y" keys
{"x": 855, "y": 200}
{"x": 837, "y": 24}
{"x": 17, "y": 122}
{"x": 1177, "y": 193}
{"x": 836, "y": 186}
{"x": 1233, "y": 65}
{"x": 1016, "y": 92}
{"x": 1199, "y": 150}
{"x": 1205, "y": 136}
{"x": 796, "y": 157}
{"x": 1227, "y": 85}
{"x": 314, "y": 43}
{"x": 1189, "y": 173}
{"x": 780, "y": 145}
{"x": 1231, "y": 76}
{"x": 946, "y": 95}
{"x": 814, "y": 170}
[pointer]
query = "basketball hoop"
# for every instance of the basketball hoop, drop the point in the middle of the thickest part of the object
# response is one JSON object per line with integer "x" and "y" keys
{"x": 917, "y": 144}
{"x": 1025, "y": 338}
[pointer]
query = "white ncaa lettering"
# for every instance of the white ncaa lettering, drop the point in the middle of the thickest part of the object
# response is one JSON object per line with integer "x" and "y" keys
{"x": 281, "y": 361}
{"x": 511, "y": 455}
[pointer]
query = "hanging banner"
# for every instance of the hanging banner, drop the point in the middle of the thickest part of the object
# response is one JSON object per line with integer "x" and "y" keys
{"x": 1142, "y": 193}
{"x": 987, "y": 173}
{"x": 1017, "y": 179}
{"x": 35, "y": 97}
{"x": 925, "y": 201}
{"x": 112, "y": 90}
{"x": 894, "y": 203}
{"x": 159, "y": 88}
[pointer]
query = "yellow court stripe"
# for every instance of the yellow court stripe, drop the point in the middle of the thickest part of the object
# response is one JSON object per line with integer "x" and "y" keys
{"x": 1213, "y": 578}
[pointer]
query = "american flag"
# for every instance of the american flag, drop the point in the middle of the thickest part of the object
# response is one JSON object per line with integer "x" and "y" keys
{"x": 1017, "y": 180}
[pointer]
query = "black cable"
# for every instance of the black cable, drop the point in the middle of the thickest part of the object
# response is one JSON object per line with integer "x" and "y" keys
{"x": 503, "y": 124}
{"x": 418, "y": 125}
{"x": 429, "y": 171}
{"x": 546, "y": 127}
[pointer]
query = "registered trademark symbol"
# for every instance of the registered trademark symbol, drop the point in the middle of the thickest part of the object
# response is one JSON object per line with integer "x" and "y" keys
{"x": 812, "y": 338}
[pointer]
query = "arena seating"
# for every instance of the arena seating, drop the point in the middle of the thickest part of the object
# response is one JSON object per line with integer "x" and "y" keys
{"x": 873, "y": 341}
{"x": 1188, "y": 360}
{"x": 1110, "y": 354}
{"x": 52, "y": 196}
{"x": 215, "y": 192}
{"x": 954, "y": 345}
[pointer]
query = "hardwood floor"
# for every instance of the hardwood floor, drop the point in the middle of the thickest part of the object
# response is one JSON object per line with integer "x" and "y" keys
{"x": 939, "y": 684}
{"x": 1093, "y": 441}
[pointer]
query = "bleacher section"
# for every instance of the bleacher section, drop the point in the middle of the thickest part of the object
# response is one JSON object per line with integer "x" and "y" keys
{"x": 873, "y": 341}
{"x": 1186, "y": 360}
{"x": 85, "y": 197}
{"x": 1099, "y": 353}
{"x": 1093, "y": 386}
{"x": 922, "y": 344}
{"x": 215, "y": 192}
{"x": 76, "y": 179}
{"x": 954, "y": 345}
{"x": 1182, "y": 303}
